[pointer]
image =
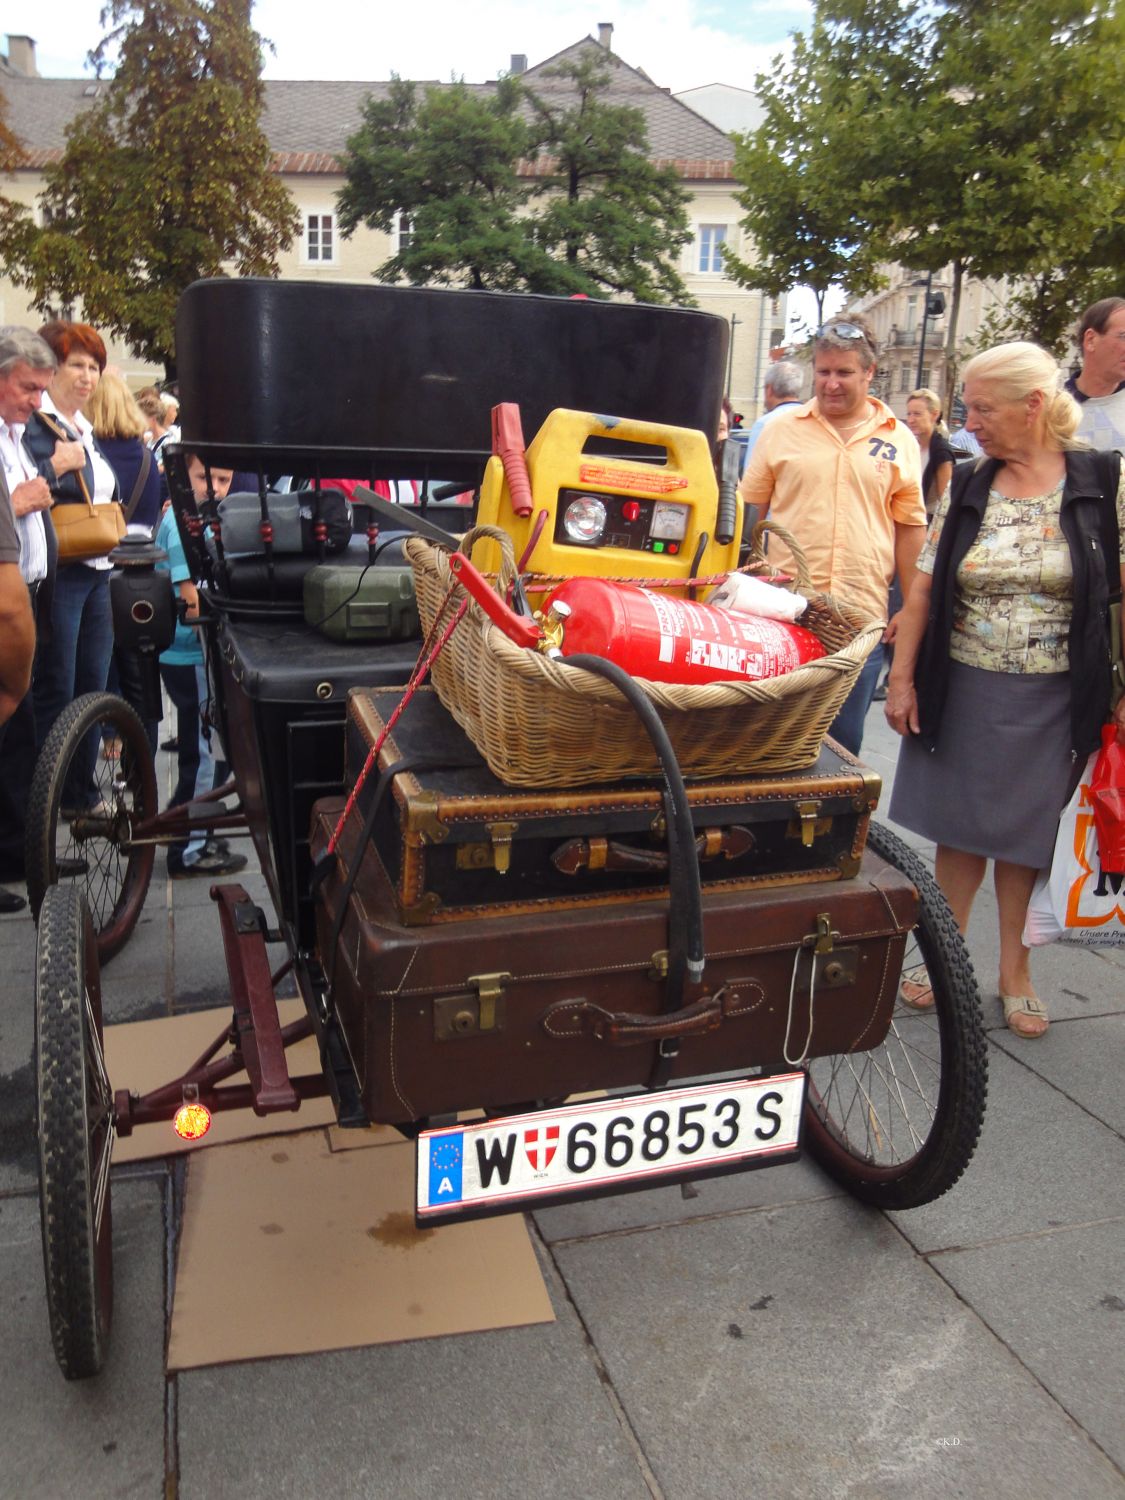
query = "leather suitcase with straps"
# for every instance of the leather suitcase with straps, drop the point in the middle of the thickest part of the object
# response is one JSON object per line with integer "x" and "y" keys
{"x": 457, "y": 844}
{"x": 544, "y": 1003}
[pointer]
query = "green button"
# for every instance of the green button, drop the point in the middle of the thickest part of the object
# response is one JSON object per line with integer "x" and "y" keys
{"x": 658, "y": 546}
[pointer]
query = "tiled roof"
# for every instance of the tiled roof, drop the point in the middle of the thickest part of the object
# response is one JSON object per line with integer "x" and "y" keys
{"x": 308, "y": 122}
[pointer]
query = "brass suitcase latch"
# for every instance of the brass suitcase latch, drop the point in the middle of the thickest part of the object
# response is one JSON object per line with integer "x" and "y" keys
{"x": 473, "y": 1014}
{"x": 807, "y": 825}
{"x": 495, "y": 855}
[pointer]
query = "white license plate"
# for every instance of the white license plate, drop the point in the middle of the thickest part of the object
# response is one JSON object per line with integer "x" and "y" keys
{"x": 607, "y": 1145}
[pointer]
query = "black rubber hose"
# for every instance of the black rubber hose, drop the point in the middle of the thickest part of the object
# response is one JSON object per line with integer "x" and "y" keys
{"x": 686, "y": 955}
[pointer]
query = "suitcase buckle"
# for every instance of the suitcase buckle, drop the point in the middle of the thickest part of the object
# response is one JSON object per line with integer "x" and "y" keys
{"x": 471, "y": 1015}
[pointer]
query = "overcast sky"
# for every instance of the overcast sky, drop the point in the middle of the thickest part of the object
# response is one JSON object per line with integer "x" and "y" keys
{"x": 680, "y": 44}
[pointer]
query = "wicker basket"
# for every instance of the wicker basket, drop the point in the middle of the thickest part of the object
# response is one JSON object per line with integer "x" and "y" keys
{"x": 540, "y": 722}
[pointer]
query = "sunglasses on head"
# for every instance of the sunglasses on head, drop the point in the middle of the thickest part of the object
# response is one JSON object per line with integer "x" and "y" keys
{"x": 841, "y": 331}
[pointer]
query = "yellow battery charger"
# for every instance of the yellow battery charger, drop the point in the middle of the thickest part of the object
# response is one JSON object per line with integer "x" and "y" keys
{"x": 610, "y": 516}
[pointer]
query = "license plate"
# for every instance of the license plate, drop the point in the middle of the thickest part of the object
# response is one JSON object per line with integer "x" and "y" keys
{"x": 607, "y": 1146}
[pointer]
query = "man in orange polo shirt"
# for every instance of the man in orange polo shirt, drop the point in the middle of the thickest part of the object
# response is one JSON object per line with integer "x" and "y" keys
{"x": 843, "y": 474}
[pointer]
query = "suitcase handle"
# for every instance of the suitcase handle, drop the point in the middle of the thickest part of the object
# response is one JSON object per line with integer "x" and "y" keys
{"x": 608, "y": 854}
{"x": 571, "y": 1018}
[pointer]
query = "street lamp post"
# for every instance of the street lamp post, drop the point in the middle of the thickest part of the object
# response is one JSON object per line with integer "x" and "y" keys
{"x": 933, "y": 305}
{"x": 735, "y": 320}
{"x": 925, "y": 319}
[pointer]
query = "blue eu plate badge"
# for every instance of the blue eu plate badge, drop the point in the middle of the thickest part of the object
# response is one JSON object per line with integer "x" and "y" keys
{"x": 447, "y": 1153}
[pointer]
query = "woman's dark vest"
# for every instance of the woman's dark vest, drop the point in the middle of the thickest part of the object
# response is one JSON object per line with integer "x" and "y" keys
{"x": 1088, "y": 518}
{"x": 40, "y": 442}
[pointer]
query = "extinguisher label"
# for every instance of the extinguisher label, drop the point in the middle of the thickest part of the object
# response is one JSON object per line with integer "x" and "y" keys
{"x": 667, "y": 648}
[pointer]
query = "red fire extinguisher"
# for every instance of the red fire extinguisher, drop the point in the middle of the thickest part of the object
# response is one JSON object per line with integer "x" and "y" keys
{"x": 663, "y": 639}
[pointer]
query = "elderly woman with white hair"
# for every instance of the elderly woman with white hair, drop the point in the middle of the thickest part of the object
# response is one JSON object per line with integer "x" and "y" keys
{"x": 1001, "y": 677}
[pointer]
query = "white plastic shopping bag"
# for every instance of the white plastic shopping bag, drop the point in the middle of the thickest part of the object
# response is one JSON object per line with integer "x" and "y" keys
{"x": 1076, "y": 901}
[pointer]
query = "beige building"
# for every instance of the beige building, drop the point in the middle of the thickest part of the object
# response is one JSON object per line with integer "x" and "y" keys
{"x": 308, "y": 122}
{"x": 896, "y": 315}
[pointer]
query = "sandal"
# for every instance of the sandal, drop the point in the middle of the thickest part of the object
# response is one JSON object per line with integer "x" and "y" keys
{"x": 1026, "y": 1015}
{"x": 111, "y": 749}
{"x": 915, "y": 989}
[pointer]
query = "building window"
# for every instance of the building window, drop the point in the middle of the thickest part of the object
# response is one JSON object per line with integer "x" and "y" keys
{"x": 905, "y": 379}
{"x": 320, "y": 239}
{"x": 404, "y": 232}
{"x": 711, "y": 239}
{"x": 926, "y": 381}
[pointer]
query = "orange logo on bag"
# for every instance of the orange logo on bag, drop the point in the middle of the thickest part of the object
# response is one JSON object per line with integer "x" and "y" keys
{"x": 1083, "y": 828}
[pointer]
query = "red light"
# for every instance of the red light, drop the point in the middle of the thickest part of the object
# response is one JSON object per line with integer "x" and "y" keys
{"x": 631, "y": 510}
{"x": 192, "y": 1121}
{"x": 673, "y": 546}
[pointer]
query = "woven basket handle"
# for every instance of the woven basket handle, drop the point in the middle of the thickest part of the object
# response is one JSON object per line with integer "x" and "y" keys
{"x": 805, "y": 584}
{"x": 507, "y": 574}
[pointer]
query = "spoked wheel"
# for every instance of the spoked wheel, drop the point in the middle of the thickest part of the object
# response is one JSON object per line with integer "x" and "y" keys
{"x": 81, "y": 830}
{"x": 74, "y": 1106}
{"x": 898, "y": 1125}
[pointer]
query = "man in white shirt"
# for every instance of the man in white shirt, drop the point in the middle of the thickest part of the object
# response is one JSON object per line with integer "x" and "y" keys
{"x": 1099, "y": 388}
{"x": 27, "y": 545}
{"x": 780, "y": 389}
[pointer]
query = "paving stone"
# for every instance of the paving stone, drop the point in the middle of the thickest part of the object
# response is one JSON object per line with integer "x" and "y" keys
{"x": 98, "y": 1438}
{"x": 767, "y": 1187}
{"x": 1073, "y": 1339}
{"x": 806, "y": 1352}
{"x": 1041, "y": 1162}
{"x": 501, "y": 1416}
{"x": 1083, "y": 1060}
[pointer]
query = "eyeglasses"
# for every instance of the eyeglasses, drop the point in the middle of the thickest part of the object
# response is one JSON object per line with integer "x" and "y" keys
{"x": 841, "y": 331}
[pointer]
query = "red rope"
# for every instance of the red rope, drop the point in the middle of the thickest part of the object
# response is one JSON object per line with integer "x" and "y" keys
{"x": 421, "y": 667}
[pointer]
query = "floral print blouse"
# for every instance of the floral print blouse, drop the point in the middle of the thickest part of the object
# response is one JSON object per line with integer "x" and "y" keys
{"x": 1012, "y": 604}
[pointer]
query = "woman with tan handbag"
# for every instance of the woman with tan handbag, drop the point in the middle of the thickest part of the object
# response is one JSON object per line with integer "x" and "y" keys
{"x": 74, "y": 656}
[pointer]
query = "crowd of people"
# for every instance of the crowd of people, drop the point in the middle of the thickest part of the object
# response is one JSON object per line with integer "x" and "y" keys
{"x": 72, "y": 434}
{"x": 991, "y": 556}
{"x": 1004, "y": 556}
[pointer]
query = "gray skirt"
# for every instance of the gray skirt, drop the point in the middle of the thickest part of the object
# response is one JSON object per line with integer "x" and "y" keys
{"x": 1002, "y": 770}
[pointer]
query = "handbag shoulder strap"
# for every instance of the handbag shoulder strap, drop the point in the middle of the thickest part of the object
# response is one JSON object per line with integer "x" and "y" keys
{"x": 64, "y": 435}
{"x": 138, "y": 484}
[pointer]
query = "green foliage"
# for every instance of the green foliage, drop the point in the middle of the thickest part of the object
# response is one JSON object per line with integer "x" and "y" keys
{"x": 805, "y": 223}
{"x": 613, "y": 218}
{"x": 448, "y": 160}
{"x": 165, "y": 181}
{"x": 604, "y": 220}
{"x": 15, "y": 221}
{"x": 983, "y": 133}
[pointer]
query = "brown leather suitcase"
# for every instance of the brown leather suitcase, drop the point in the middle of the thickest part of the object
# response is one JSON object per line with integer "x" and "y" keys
{"x": 457, "y": 843}
{"x": 536, "y": 1006}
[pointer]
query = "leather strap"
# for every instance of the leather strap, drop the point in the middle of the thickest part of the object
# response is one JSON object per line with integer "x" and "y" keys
{"x": 139, "y": 483}
{"x": 609, "y": 854}
{"x": 584, "y": 1018}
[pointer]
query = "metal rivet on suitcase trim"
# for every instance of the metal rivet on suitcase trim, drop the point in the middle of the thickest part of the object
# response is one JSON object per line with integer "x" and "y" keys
{"x": 324, "y": 690}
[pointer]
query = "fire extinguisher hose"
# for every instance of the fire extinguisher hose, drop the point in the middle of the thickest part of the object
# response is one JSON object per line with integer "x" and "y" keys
{"x": 686, "y": 956}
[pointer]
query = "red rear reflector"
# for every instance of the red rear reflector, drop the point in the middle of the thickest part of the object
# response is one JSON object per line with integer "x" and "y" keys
{"x": 192, "y": 1121}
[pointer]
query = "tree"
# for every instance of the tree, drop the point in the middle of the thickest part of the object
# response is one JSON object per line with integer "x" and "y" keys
{"x": 448, "y": 162}
{"x": 601, "y": 218}
{"x": 806, "y": 230}
{"x": 986, "y": 134}
{"x": 13, "y": 216}
{"x": 613, "y": 218}
{"x": 165, "y": 181}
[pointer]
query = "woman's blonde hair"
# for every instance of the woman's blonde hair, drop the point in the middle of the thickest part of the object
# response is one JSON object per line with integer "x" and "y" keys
{"x": 113, "y": 410}
{"x": 932, "y": 402}
{"x": 1019, "y": 369}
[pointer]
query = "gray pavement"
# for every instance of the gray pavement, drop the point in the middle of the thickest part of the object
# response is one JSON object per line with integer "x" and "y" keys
{"x": 762, "y": 1334}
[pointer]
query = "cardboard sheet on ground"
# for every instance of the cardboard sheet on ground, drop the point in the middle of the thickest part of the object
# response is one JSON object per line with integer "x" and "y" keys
{"x": 142, "y": 1055}
{"x": 289, "y": 1247}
